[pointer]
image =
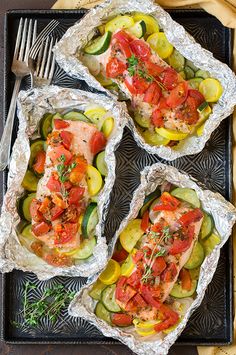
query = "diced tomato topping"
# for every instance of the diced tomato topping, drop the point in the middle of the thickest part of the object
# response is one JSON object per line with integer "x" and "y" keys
{"x": 124, "y": 292}
{"x": 66, "y": 139}
{"x": 157, "y": 118}
{"x": 34, "y": 210}
{"x": 167, "y": 203}
{"x": 115, "y": 68}
{"x": 40, "y": 228}
{"x": 153, "y": 69}
{"x": 137, "y": 256}
{"x": 121, "y": 319}
{"x": 60, "y": 124}
{"x": 53, "y": 183}
{"x": 162, "y": 105}
{"x": 67, "y": 185}
{"x": 59, "y": 201}
{"x": 134, "y": 279}
{"x": 182, "y": 242}
{"x": 75, "y": 194}
{"x": 39, "y": 162}
{"x": 185, "y": 278}
{"x": 60, "y": 154}
{"x": 120, "y": 255}
{"x": 170, "y": 318}
{"x": 78, "y": 172}
{"x": 158, "y": 266}
{"x": 37, "y": 248}
{"x": 123, "y": 40}
{"x": 188, "y": 113}
{"x": 149, "y": 294}
{"x": 178, "y": 95}
{"x": 197, "y": 96}
{"x": 191, "y": 217}
{"x": 169, "y": 274}
{"x": 157, "y": 227}
{"x": 153, "y": 94}
{"x": 140, "y": 84}
{"x": 65, "y": 232}
{"x": 122, "y": 36}
{"x": 131, "y": 306}
{"x": 169, "y": 78}
{"x": 145, "y": 221}
{"x": 97, "y": 142}
{"x": 139, "y": 301}
{"x": 129, "y": 84}
{"x": 44, "y": 205}
{"x": 140, "y": 49}
{"x": 56, "y": 259}
{"x": 56, "y": 212}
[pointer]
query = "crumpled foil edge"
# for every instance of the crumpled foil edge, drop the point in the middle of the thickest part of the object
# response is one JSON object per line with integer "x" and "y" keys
{"x": 224, "y": 215}
{"x": 32, "y": 105}
{"x": 78, "y": 35}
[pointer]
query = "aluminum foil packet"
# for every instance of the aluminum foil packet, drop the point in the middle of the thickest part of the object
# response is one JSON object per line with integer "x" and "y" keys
{"x": 224, "y": 215}
{"x": 32, "y": 105}
{"x": 68, "y": 54}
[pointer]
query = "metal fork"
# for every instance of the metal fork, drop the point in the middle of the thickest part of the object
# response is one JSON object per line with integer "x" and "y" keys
{"x": 42, "y": 69}
{"x": 25, "y": 37}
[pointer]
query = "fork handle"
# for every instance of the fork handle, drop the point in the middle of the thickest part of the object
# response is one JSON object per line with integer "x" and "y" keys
{"x": 5, "y": 144}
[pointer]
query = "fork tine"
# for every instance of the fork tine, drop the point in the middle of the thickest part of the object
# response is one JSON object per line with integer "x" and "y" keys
{"x": 50, "y": 76}
{"x": 45, "y": 52}
{"x": 28, "y": 41}
{"x": 39, "y": 59}
{"x": 34, "y": 32}
{"x": 45, "y": 32}
{"x": 18, "y": 38}
{"x": 22, "y": 45}
{"x": 48, "y": 59}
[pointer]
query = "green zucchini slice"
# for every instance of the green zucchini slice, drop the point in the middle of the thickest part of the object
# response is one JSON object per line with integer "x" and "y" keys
{"x": 148, "y": 200}
{"x": 24, "y": 206}
{"x": 30, "y": 181}
{"x": 99, "y": 45}
{"x": 96, "y": 290}
{"x": 102, "y": 313}
{"x": 196, "y": 257}
{"x": 100, "y": 163}
{"x": 76, "y": 116}
{"x": 189, "y": 72}
{"x": 46, "y": 125}
{"x": 207, "y": 226}
{"x": 178, "y": 292}
{"x": 35, "y": 147}
{"x": 142, "y": 121}
{"x": 186, "y": 194}
{"x": 90, "y": 220}
{"x": 138, "y": 29}
{"x": 108, "y": 299}
{"x": 202, "y": 74}
{"x": 176, "y": 60}
{"x": 86, "y": 249}
{"x": 195, "y": 82}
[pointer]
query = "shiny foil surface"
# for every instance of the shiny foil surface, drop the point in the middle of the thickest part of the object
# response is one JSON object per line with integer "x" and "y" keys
{"x": 224, "y": 215}
{"x": 69, "y": 48}
{"x": 32, "y": 105}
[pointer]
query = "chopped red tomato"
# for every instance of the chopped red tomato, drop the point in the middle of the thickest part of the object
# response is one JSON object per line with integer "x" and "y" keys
{"x": 137, "y": 256}
{"x": 167, "y": 203}
{"x": 169, "y": 274}
{"x": 122, "y": 36}
{"x": 60, "y": 155}
{"x": 149, "y": 294}
{"x": 131, "y": 306}
{"x": 191, "y": 217}
{"x": 153, "y": 94}
{"x": 56, "y": 211}
{"x": 197, "y": 96}
{"x": 158, "y": 266}
{"x": 157, "y": 118}
{"x": 182, "y": 242}
{"x": 153, "y": 69}
{"x": 123, "y": 40}
{"x": 75, "y": 194}
{"x": 60, "y": 124}
{"x": 39, "y": 162}
{"x": 178, "y": 95}
{"x": 140, "y": 49}
{"x": 134, "y": 279}
{"x": 157, "y": 227}
{"x": 34, "y": 210}
{"x": 65, "y": 232}
{"x": 129, "y": 84}
{"x": 121, "y": 319}
{"x": 162, "y": 105}
{"x": 185, "y": 278}
{"x": 115, "y": 68}
{"x": 139, "y": 301}
{"x": 97, "y": 142}
{"x": 44, "y": 205}
{"x": 140, "y": 84}
{"x": 145, "y": 221}
{"x": 56, "y": 259}
{"x": 169, "y": 78}
{"x": 78, "y": 172}
{"x": 120, "y": 255}
{"x": 188, "y": 113}
{"x": 124, "y": 292}
{"x": 59, "y": 201}
{"x": 53, "y": 183}
{"x": 40, "y": 228}
{"x": 37, "y": 248}
{"x": 66, "y": 139}
{"x": 67, "y": 185}
{"x": 170, "y": 318}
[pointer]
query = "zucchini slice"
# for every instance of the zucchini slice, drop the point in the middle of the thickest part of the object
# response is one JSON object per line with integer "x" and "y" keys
{"x": 102, "y": 313}
{"x": 90, "y": 220}
{"x": 151, "y": 23}
{"x": 138, "y": 29}
{"x": 46, "y": 125}
{"x": 26, "y": 236}
{"x": 86, "y": 249}
{"x": 142, "y": 121}
{"x": 100, "y": 163}
{"x": 207, "y": 226}
{"x": 148, "y": 200}
{"x": 202, "y": 107}
{"x": 96, "y": 290}
{"x": 35, "y": 147}
{"x": 191, "y": 65}
{"x": 196, "y": 258}
{"x": 153, "y": 138}
{"x": 131, "y": 235}
{"x": 99, "y": 45}
{"x": 195, "y": 82}
{"x": 118, "y": 23}
{"x": 108, "y": 126}
{"x": 24, "y": 206}
{"x": 202, "y": 74}
{"x": 178, "y": 292}
{"x": 94, "y": 180}
{"x": 108, "y": 299}
{"x": 210, "y": 243}
{"x": 30, "y": 181}
{"x": 76, "y": 116}
{"x": 186, "y": 194}
{"x": 176, "y": 60}
{"x": 189, "y": 72}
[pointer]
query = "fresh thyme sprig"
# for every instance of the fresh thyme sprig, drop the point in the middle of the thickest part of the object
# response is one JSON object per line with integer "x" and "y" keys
{"x": 49, "y": 305}
{"x": 63, "y": 170}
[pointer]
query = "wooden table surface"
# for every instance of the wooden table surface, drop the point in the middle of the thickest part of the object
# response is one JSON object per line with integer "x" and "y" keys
{"x": 9, "y": 349}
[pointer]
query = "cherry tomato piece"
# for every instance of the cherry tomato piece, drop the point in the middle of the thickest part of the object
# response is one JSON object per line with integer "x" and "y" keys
{"x": 170, "y": 318}
{"x": 56, "y": 211}
{"x": 140, "y": 49}
{"x": 149, "y": 295}
{"x": 44, "y": 205}
{"x": 140, "y": 84}
{"x": 121, "y": 319}
{"x": 66, "y": 139}
{"x": 75, "y": 195}
{"x": 153, "y": 94}
{"x": 157, "y": 118}
{"x": 169, "y": 274}
{"x": 185, "y": 278}
{"x": 120, "y": 255}
{"x": 40, "y": 228}
{"x": 153, "y": 69}
{"x": 60, "y": 155}
{"x": 158, "y": 266}
{"x": 167, "y": 203}
{"x": 169, "y": 78}
{"x": 53, "y": 183}
{"x": 60, "y": 124}
{"x": 97, "y": 142}
{"x": 191, "y": 217}
{"x": 39, "y": 163}
{"x": 34, "y": 210}
{"x": 178, "y": 95}
{"x": 56, "y": 259}
{"x": 145, "y": 221}
{"x": 197, "y": 96}
{"x": 115, "y": 67}
{"x": 65, "y": 232}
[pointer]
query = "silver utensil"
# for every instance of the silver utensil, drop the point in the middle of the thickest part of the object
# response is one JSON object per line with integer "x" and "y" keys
{"x": 25, "y": 38}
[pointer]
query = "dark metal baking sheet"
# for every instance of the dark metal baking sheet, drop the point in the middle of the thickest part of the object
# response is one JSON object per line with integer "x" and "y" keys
{"x": 212, "y": 323}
